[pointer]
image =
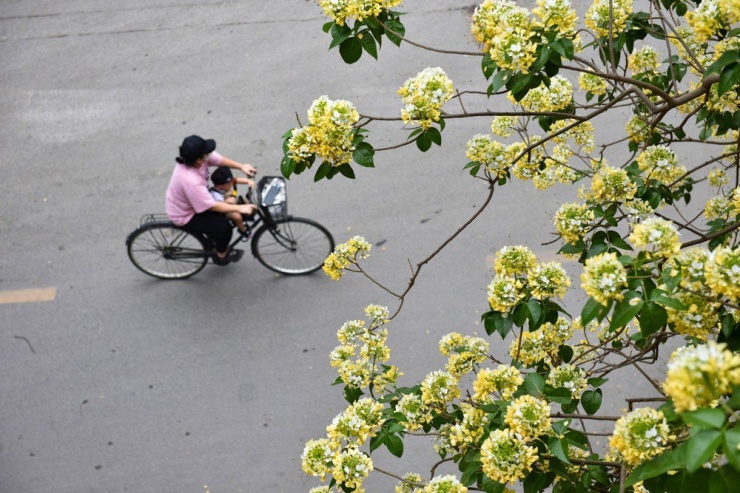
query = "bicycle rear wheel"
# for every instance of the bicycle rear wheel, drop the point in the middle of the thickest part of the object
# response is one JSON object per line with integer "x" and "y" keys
{"x": 293, "y": 246}
{"x": 165, "y": 251}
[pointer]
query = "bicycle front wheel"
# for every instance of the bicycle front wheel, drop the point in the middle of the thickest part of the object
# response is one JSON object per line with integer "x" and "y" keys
{"x": 292, "y": 246}
{"x": 165, "y": 251}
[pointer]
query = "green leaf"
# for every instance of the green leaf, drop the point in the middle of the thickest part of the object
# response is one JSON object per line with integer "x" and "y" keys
{"x": 593, "y": 310}
{"x": 730, "y": 446}
{"x": 728, "y": 79}
{"x": 566, "y": 353}
{"x": 424, "y": 142}
{"x": 398, "y": 29}
{"x": 652, "y": 318}
{"x": 518, "y": 83}
{"x": 394, "y": 443}
{"x": 705, "y": 418}
{"x": 346, "y": 170}
{"x": 534, "y": 384}
{"x": 287, "y": 166}
{"x": 662, "y": 298}
{"x": 339, "y": 34}
{"x": 535, "y": 311}
{"x": 504, "y": 326}
{"x": 557, "y": 449}
{"x": 561, "y": 395}
{"x": 727, "y": 58}
{"x": 322, "y": 171}
{"x": 434, "y": 135}
{"x": 350, "y": 50}
{"x": 352, "y": 394}
{"x": 591, "y": 400}
{"x": 489, "y": 485}
{"x": 700, "y": 448}
{"x": 625, "y": 311}
{"x": 668, "y": 461}
{"x": 500, "y": 80}
{"x": 368, "y": 43}
{"x": 364, "y": 155}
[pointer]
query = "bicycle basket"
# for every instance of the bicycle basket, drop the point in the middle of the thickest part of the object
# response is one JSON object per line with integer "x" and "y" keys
{"x": 273, "y": 200}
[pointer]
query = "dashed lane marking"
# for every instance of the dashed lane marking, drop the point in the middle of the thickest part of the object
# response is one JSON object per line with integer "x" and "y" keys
{"x": 28, "y": 295}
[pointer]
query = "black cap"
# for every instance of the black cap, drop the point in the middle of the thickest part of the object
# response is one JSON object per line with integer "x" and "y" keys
{"x": 194, "y": 148}
{"x": 221, "y": 175}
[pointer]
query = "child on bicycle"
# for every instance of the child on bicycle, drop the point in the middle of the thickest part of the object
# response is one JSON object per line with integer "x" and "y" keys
{"x": 224, "y": 190}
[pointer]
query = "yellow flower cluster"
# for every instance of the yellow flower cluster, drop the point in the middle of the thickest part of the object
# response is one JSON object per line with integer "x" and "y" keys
{"x": 322, "y": 489}
{"x": 504, "y": 380}
{"x": 638, "y": 130}
{"x": 351, "y": 468}
{"x": 417, "y": 414}
{"x": 637, "y": 209}
{"x": 360, "y": 371}
{"x": 528, "y": 166}
{"x": 503, "y": 126}
{"x": 640, "y": 435}
{"x": 604, "y": 277}
{"x": 543, "y": 98}
{"x": 718, "y": 207}
{"x": 707, "y": 19}
{"x": 689, "y": 264}
{"x": 698, "y": 376}
{"x": 464, "y": 352}
{"x": 518, "y": 274}
{"x": 572, "y": 221}
{"x": 722, "y": 272}
{"x": 481, "y": 149}
{"x": 698, "y": 320}
{"x": 445, "y": 484}
{"x": 341, "y": 11}
{"x": 528, "y": 417}
{"x": 344, "y": 255}
{"x": 542, "y": 344}
{"x": 592, "y": 83}
{"x": 356, "y": 424}
{"x": 409, "y": 483}
{"x": 548, "y": 280}
{"x": 505, "y": 292}
{"x": 660, "y": 163}
{"x": 317, "y": 458}
{"x": 570, "y": 377}
{"x": 438, "y": 388}
{"x": 328, "y": 134}
{"x": 514, "y": 260}
{"x": 644, "y": 61}
{"x": 736, "y": 201}
{"x": 718, "y": 178}
{"x": 424, "y": 95}
{"x": 582, "y": 134}
{"x": 558, "y": 14}
{"x": 506, "y": 457}
{"x": 611, "y": 185}
{"x": 505, "y": 31}
{"x": 657, "y": 234}
{"x": 608, "y": 18}
{"x": 468, "y": 431}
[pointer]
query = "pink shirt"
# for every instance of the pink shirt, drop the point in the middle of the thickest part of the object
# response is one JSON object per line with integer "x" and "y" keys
{"x": 187, "y": 193}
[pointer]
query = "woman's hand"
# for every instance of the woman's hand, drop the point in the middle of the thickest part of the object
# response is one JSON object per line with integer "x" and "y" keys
{"x": 247, "y": 209}
{"x": 249, "y": 170}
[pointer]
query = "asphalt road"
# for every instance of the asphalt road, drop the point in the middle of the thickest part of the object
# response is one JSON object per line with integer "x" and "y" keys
{"x": 113, "y": 381}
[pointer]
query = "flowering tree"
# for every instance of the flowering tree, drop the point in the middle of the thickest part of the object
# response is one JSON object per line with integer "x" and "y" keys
{"x": 676, "y": 66}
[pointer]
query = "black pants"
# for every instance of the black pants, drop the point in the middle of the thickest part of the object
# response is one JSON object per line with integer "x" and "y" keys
{"x": 214, "y": 225}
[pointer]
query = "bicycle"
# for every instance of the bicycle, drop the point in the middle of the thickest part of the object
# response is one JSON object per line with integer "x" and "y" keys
{"x": 281, "y": 242}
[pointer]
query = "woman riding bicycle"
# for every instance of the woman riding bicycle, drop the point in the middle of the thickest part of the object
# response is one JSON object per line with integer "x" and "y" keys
{"x": 190, "y": 204}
